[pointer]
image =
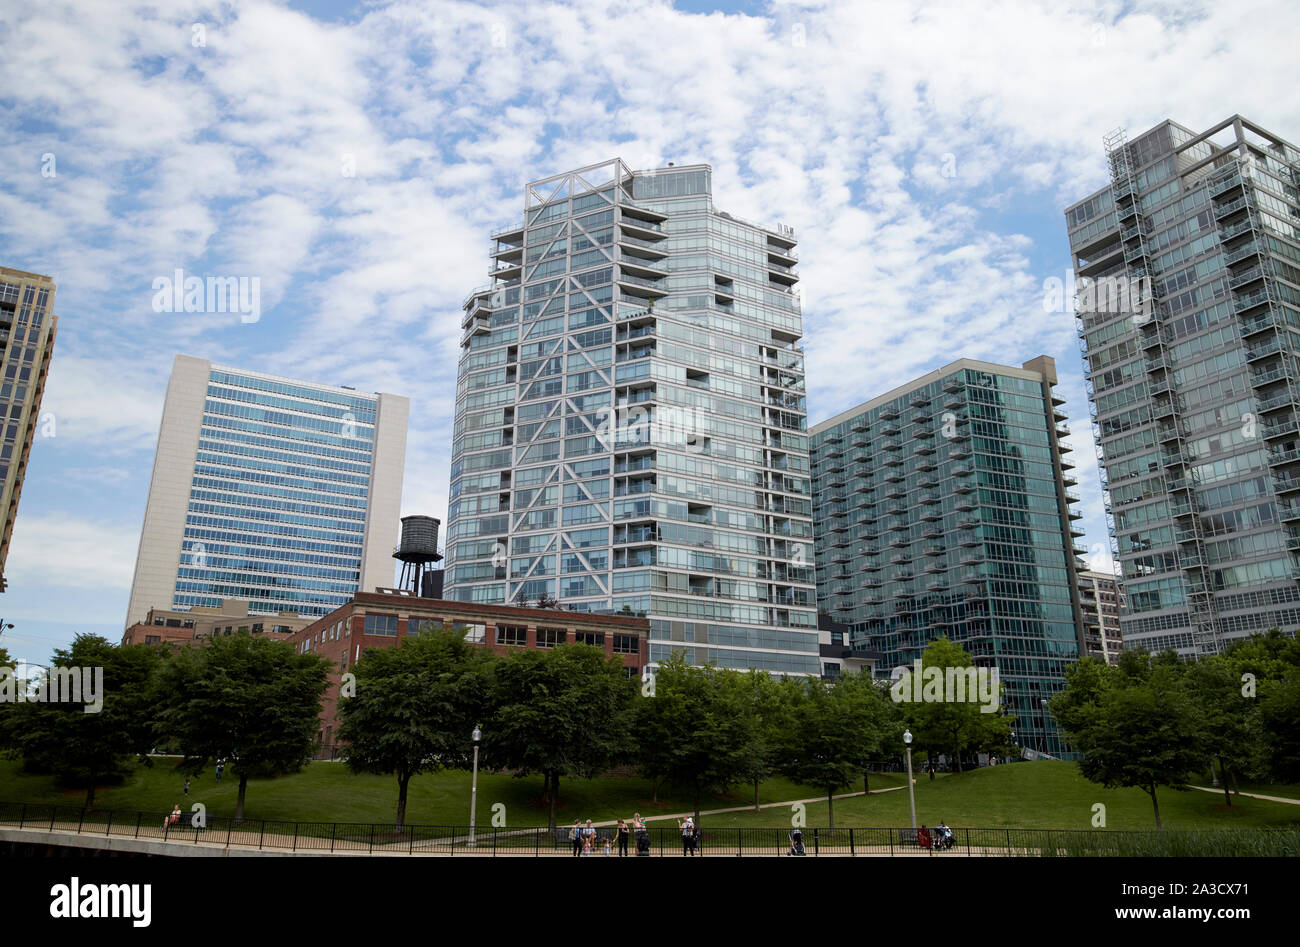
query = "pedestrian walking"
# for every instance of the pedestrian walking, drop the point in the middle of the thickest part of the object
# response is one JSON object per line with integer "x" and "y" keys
{"x": 623, "y": 833}
{"x": 687, "y": 828}
{"x": 187, "y": 785}
{"x": 221, "y": 768}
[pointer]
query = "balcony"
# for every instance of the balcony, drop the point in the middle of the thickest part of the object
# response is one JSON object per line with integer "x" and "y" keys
{"x": 1222, "y": 211}
{"x": 1235, "y": 230}
{"x": 1241, "y": 253}
{"x": 1282, "y": 428}
{"x": 1246, "y": 303}
{"x": 1231, "y": 182}
{"x": 1257, "y": 324}
{"x": 1267, "y": 377}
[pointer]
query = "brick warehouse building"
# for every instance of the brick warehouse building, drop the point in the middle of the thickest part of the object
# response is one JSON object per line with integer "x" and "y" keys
{"x": 381, "y": 619}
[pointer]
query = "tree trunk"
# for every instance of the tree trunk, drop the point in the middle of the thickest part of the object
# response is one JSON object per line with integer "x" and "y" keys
{"x": 830, "y": 811}
{"x": 697, "y": 805}
{"x": 555, "y": 794}
{"x": 957, "y": 757}
{"x": 403, "y": 780}
{"x": 546, "y": 786}
{"x": 239, "y": 801}
{"x": 1233, "y": 775}
{"x": 1223, "y": 771}
{"x": 866, "y": 783}
{"x": 90, "y": 792}
{"x": 757, "y": 808}
{"x": 1152, "y": 793}
{"x": 654, "y": 789}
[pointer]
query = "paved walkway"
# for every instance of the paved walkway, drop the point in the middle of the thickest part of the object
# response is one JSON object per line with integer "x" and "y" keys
{"x": 750, "y": 808}
{"x": 1250, "y": 795}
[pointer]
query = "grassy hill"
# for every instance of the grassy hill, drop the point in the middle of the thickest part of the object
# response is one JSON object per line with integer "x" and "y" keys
{"x": 1042, "y": 794}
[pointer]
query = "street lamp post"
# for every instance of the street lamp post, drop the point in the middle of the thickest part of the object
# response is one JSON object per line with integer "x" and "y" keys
{"x": 5, "y": 626}
{"x": 473, "y": 792}
{"x": 911, "y": 794}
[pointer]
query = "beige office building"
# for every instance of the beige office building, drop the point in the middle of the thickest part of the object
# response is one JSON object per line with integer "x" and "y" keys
{"x": 283, "y": 493}
{"x": 27, "y": 330}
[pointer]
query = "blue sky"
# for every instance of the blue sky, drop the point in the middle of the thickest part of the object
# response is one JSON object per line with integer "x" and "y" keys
{"x": 923, "y": 153}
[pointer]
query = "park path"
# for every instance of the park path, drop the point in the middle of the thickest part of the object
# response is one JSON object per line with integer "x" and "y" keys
{"x": 750, "y": 808}
{"x": 1251, "y": 795}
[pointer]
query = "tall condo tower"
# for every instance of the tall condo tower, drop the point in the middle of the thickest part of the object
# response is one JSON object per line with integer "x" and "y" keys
{"x": 27, "y": 330}
{"x": 630, "y": 420}
{"x": 1188, "y": 267}
{"x": 281, "y": 492}
{"x": 944, "y": 508}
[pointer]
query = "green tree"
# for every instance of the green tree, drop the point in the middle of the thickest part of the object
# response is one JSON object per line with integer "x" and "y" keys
{"x": 691, "y": 732}
{"x": 415, "y": 708}
{"x": 1142, "y": 729}
{"x": 1280, "y": 718}
{"x": 765, "y": 707}
{"x": 73, "y": 741}
{"x": 955, "y": 726}
{"x": 1232, "y": 727}
{"x": 834, "y": 729}
{"x": 246, "y": 699}
{"x": 560, "y": 712}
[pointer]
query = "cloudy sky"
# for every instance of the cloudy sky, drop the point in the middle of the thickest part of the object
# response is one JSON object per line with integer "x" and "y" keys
{"x": 355, "y": 156}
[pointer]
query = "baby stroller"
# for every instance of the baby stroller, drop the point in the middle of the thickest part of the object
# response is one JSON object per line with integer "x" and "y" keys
{"x": 643, "y": 843}
{"x": 796, "y": 843}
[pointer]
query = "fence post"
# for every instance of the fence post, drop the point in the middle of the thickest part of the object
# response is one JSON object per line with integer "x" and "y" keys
{"x": 138, "y": 816}
{"x": 851, "y": 851}
{"x": 334, "y": 829}
{"x": 262, "y": 837}
{"x": 891, "y": 842}
{"x": 295, "y": 837}
{"x": 22, "y": 816}
{"x": 537, "y": 844}
{"x": 54, "y": 812}
{"x": 230, "y": 826}
{"x": 740, "y": 842}
{"x": 81, "y": 821}
{"x": 967, "y": 831}
{"x": 816, "y": 846}
{"x": 494, "y": 841}
{"x": 1008, "y": 843}
{"x": 372, "y": 838}
{"x": 411, "y": 850}
{"x": 109, "y": 829}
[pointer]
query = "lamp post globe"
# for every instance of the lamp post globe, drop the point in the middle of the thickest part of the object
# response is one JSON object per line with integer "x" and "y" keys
{"x": 911, "y": 790}
{"x": 473, "y": 793}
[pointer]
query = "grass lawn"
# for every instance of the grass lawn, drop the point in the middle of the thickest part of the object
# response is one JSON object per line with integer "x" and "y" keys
{"x": 1042, "y": 794}
{"x": 327, "y": 792}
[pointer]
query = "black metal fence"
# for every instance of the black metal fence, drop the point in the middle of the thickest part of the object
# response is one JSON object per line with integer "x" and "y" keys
{"x": 412, "y": 839}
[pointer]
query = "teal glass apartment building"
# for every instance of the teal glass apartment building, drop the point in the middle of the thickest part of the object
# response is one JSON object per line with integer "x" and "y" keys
{"x": 1195, "y": 392}
{"x": 943, "y": 509}
{"x": 630, "y": 428}
{"x": 276, "y": 491}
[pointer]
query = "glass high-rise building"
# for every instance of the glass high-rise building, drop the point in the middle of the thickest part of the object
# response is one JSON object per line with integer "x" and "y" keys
{"x": 27, "y": 330}
{"x": 1188, "y": 266}
{"x": 630, "y": 420}
{"x": 943, "y": 509}
{"x": 280, "y": 492}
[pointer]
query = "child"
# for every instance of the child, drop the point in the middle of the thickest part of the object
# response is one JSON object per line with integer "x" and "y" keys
{"x": 607, "y": 852}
